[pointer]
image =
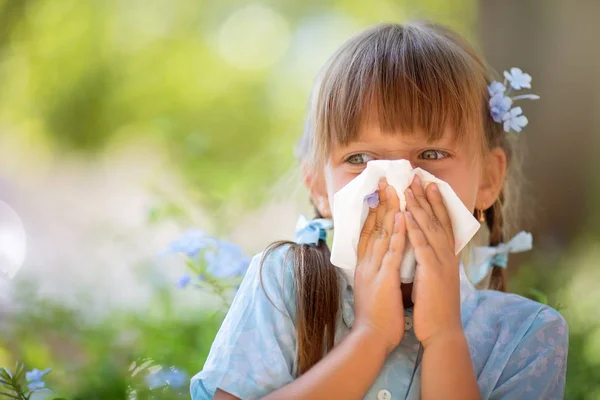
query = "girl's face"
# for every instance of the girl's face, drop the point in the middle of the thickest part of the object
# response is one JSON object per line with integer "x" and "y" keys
{"x": 475, "y": 178}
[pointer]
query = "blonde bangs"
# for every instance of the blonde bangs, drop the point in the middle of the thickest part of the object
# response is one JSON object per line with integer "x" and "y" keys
{"x": 412, "y": 78}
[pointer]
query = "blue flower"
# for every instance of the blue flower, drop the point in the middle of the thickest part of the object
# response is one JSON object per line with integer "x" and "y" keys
{"x": 167, "y": 377}
{"x": 183, "y": 281}
{"x": 155, "y": 380}
{"x": 518, "y": 79}
{"x": 191, "y": 242}
{"x": 514, "y": 120}
{"x": 176, "y": 378}
{"x": 499, "y": 106}
{"x": 36, "y": 385}
{"x": 496, "y": 88}
{"x": 226, "y": 260}
{"x": 35, "y": 379}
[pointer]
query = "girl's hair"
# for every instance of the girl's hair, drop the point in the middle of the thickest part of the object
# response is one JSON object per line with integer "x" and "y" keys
{"x": 418, "y": 77}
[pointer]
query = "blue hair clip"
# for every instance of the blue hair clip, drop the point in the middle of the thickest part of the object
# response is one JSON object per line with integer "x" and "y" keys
{"x": 311, "y": 231}
{"x": 501, "y": 103}
{"x": 483, "y": 258}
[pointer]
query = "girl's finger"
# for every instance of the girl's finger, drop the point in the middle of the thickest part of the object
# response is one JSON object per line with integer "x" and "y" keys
{"x": 382, "y": 241}
{"x": 440, "y": 211}
{"x": 365, "y": 233}
{"x": 417, "y": 189}
{"x": 379, "y": 213}
{"x": 430, "y": 226}
{"x": 424, "y": 253}
{"x": 393, "y": 257}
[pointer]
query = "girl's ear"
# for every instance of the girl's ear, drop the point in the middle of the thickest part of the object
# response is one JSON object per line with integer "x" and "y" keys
{"x": 315, "y": 183}
{"x": 494, "y": 172}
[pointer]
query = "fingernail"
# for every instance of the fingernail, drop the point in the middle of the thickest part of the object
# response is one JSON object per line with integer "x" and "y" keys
{"x": 382, "y": 183}
{"x": 410, "y": 193}
{"x": 434, "y": 187}
{"x": 409, "y": 216}
{"x": 417, "y": 180}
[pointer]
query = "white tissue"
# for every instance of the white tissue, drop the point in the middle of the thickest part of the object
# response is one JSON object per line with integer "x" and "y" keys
{"x": 350, "y": 212}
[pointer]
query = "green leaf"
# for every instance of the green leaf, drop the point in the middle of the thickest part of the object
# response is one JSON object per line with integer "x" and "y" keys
{"x": 538, "y": 296}
{"x": 19, "y": 372}
{"x": 5, "y": 374}
{"x": 10, "y": 396}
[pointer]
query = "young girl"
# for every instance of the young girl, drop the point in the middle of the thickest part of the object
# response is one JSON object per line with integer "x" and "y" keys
{"x": 299, "y": 328}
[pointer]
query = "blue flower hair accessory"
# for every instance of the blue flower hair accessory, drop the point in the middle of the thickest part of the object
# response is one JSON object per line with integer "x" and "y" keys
{"x": 483, "y": 258}
{"x": 501, "y": 101}
{"x": 310, "y": 231}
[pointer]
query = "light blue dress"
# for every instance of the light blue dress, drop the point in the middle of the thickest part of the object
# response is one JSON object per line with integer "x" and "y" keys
{"x": 518, "y": 347}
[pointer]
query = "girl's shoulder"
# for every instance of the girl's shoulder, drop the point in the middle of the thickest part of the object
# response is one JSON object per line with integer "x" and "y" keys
{"x": 272, "y": 271}
{"x": 521, "y": 345}
{"x": 274, "y": 265}
{"x": 519, "y": 316}
{"x": 510, "y": 305}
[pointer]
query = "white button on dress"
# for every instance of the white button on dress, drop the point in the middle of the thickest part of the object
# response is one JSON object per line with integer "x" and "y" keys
{"x": 408, "y": 323}
{"x": 384, "y": 395}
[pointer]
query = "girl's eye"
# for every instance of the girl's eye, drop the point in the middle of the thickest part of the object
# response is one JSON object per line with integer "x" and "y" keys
{"x": 360, "y": 158}
{"x": 433, "y": 155}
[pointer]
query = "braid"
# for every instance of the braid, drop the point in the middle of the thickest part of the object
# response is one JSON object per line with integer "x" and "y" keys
{"x": 495, "y": 223}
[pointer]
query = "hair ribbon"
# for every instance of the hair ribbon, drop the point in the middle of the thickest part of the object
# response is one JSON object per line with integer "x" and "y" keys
{"x": 484, "y": 258}
{"x": 310, "y": 231}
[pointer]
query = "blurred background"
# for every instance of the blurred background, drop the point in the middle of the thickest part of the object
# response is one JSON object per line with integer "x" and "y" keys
{"x": 125, "y": 123}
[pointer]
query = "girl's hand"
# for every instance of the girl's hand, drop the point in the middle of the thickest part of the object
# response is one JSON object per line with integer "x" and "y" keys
{"x": 378, "y": 300}
{"x": 437, "y": 283}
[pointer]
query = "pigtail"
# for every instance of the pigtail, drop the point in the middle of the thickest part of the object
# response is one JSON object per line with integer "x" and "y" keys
{"x": 495, "y": 222}
{"x": 317, "y": 303}
{"x": 317, "y": 300}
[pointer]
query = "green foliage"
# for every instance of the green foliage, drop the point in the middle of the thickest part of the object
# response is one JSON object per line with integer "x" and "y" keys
{"x": 92, "y": 360}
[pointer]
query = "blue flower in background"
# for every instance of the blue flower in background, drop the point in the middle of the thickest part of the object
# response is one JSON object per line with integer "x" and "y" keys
{"x": 226, "y": 260}
{"x": 518, "y": 79}
{"x": 183, "y": 281}
{"x": 173, "y": 377}
{"x": 155, "y": 380}
{"x": 210, "y": 258}
{"x": 35, "y": 377}
{"x": 499, "y": 106}
{"x": 191, "y": 242}
{"x": 176, "y": 378}
{"x": 514, "y": 120}
{"x": 496, "y": 88}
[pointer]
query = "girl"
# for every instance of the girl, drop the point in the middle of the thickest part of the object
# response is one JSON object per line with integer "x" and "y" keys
{"x": 300, "y": 328}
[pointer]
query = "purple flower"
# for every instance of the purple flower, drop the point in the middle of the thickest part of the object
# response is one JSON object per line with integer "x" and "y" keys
{"x": 183, "y": 281}
{"x": 518, "y": 79}
{"x": 514, "y": 120}
{"x": 226, "y": 260}
{"x": 496, "y": 88}
{"x": 191, "y": 242}
{"x": 499, "y": 106}
{"x": 372, "y": 199}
